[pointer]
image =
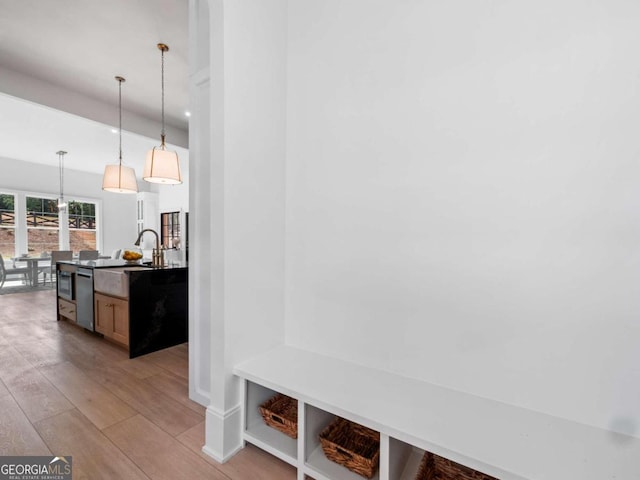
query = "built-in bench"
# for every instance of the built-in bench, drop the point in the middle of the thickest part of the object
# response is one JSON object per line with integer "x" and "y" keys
{"x": 505, "y": 441}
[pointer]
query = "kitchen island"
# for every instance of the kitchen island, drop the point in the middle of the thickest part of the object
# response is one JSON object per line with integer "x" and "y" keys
{"x": 142, "y": 308}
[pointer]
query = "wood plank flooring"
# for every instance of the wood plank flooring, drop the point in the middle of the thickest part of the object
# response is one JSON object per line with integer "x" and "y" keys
{"x": 64, "y": 391}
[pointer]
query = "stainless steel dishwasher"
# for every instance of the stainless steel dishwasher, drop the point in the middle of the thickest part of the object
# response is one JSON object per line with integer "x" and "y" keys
{"x": 84, "y": 297}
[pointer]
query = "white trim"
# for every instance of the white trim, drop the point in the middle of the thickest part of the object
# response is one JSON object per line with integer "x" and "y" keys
{"x": 223, "y": 438}
{"x": 207, "y": 451}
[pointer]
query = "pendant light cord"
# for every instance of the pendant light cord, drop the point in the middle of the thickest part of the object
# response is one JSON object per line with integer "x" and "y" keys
{"x": 120, "y": 115}
{"x": 163, "y": 48}
{"x": 162, "y": 75}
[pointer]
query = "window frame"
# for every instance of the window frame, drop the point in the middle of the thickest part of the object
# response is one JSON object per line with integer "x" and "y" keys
{"x": 11, "y": 227}
{"x": 172, "y": 230}
{"x": 20, "y": 205}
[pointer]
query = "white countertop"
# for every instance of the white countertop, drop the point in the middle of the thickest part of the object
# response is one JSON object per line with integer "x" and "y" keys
{"x": 502, "y": 440}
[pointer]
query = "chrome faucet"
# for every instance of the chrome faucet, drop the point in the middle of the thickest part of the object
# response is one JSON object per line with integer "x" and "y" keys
{"x": 157, "y": 259}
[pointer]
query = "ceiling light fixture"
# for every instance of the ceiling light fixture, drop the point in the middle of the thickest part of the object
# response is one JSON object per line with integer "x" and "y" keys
{"x": 162, "y": 166}
{"x": 62, "y": 205}
{"x": 118, "y": 178}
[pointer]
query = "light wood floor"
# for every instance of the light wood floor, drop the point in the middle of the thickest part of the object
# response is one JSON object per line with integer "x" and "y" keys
{"x": 64, "y": 391}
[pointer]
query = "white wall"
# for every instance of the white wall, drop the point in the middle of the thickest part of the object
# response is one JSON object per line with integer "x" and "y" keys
{"x": 118, "y": 211}
{"x": 174, "y": 197}
{"x": 255, "y": 108}
{"x": 463, "y": 196}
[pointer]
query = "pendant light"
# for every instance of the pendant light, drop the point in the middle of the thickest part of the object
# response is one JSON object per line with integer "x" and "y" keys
{"x": 162, "y": 165}
{"x": 62, "y": 204}
{"x": 118, "y": 178}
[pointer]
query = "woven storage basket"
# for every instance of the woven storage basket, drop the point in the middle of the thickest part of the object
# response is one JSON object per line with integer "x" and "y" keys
{"x": 281, "y": 413}
{"x": 434, "y": 467}
{"x": 352, "y": 446}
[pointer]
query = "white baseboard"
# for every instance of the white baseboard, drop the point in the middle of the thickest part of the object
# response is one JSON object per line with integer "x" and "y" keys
{"x": 213, "y": 455}
{"x": 223, "y": 433}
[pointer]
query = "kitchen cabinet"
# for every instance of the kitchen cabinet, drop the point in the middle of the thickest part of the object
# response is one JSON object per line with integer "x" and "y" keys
{"x": 148, "y": 211}
{"x": 112, "y": 318}
{"x": 65, "y": 286}
{"x": 67, "y": 309}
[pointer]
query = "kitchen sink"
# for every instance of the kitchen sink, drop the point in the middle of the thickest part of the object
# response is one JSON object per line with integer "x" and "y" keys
{"x": 113, "y": 281}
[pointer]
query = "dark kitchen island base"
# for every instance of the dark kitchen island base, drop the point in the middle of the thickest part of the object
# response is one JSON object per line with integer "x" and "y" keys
{"x": 158, "y": 309}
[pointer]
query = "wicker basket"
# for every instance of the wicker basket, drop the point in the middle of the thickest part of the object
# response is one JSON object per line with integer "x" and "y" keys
{"x": 281, "y": 412}
{"x": 352, "y": 446}
{"x": 434, "y": 467}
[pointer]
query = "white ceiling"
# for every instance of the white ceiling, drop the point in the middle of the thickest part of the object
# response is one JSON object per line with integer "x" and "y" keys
{"x": 79, "y": 46}
{"x": 34, "y": 133}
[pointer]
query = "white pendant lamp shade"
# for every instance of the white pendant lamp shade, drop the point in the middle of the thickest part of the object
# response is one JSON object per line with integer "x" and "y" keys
{"x": 119, "y": 179}
{"x": 162, "y": 166}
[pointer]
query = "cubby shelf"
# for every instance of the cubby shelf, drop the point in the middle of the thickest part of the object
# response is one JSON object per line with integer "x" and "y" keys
{"x": 404, "y": 460}
{"x": 261, "y": 435}
{"x": 501, "y": 440}
{"x": 412, "y": 466}
{"x": 274, "y": 442}
{"x": 323, "y": 468}
{"x": 316, "y": 463}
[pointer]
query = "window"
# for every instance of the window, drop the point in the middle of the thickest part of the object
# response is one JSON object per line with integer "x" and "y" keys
{"x": 82, "y": 226}
{"x": 43, "y": 226}
{"x": 170, "y": 229}
{"x": 30, "y": 223}
{"x": 7, "y": 225}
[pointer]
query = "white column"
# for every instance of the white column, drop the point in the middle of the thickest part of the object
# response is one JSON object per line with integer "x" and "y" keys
{"x": 63, "y": 234}
{"x": 20, "y": 206}
{"x": 223, "y": 420}
{"x": 237, "y": 152}
{"x": 201, "y": 263}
